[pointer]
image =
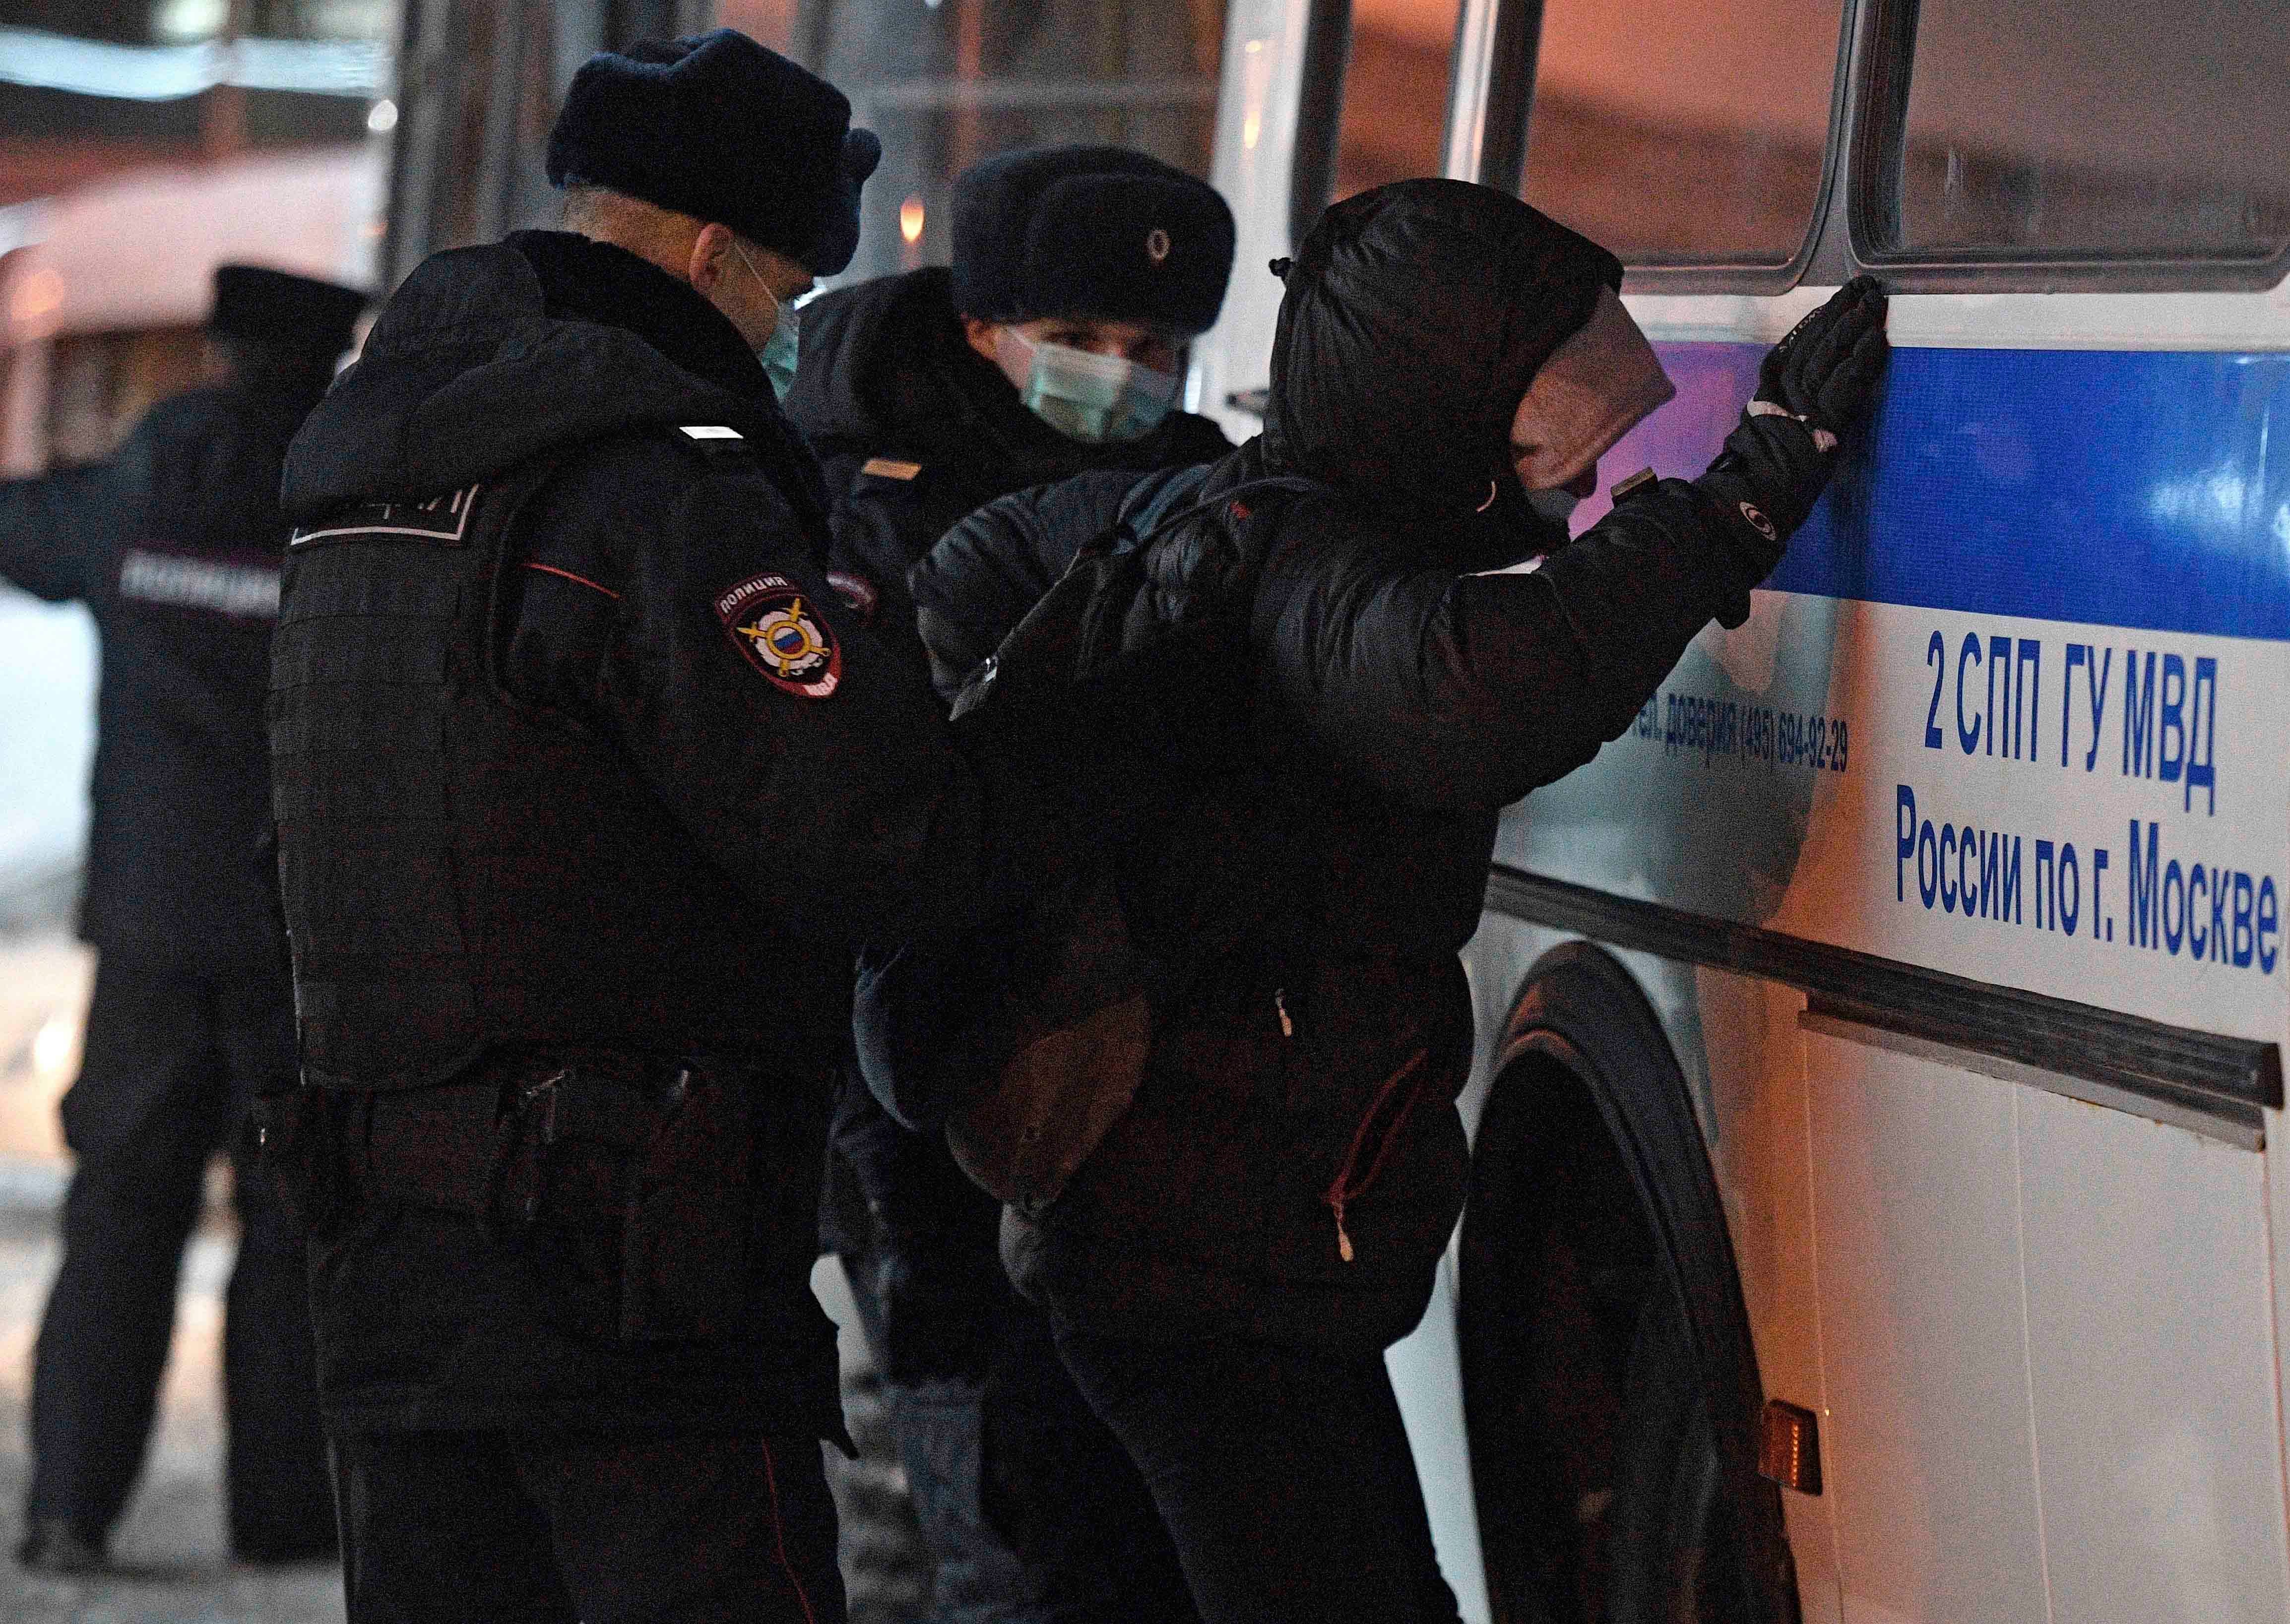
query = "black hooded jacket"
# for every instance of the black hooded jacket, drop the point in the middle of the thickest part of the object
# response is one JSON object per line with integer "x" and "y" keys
{"x": 889, "y": 380}
{"x": 1413, "y": 650}
{"x": 824, "y": 819}
{"x": 174, "y": 542}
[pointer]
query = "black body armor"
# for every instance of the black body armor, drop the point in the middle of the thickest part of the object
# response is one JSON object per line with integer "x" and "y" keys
{"x": 463, "y": 871}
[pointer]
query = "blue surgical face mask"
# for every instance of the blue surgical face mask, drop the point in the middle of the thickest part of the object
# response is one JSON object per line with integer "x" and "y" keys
{"x": 779, "y": 351}
{"x": 1092, "y": 397}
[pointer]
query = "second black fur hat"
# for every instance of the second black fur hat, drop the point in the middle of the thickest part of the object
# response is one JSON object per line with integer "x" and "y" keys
{"x": 720, "y": 128}
{"x": 1090, "y": 231}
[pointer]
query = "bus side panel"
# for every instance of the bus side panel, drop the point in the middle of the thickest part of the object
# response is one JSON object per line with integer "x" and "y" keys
{"x": 1927, "y": 1450}
{"x": 2012, "y": 708}
{"x": 2152, "y": 1358}
{"x": 2050, "y": 1353}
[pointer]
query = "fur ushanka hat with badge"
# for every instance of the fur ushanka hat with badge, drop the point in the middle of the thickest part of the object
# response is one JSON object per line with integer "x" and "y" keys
{"x": 1098, "y": 231}
{"x": 722, "y": 129}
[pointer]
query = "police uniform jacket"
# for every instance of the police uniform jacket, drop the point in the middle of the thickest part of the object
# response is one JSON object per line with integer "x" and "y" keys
{"x": 575, "y": 749}
{"x": 173, "y": 544}
{"x": 913, "y": 430}
{"x": 1411, "y": 649}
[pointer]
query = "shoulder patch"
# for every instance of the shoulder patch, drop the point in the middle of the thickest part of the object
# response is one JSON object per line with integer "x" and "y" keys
{"x": 442, "y": 520}
{"x": 775, "y": 630}
{"x": 890, "y": 467}
{"x": 856, "y": 591}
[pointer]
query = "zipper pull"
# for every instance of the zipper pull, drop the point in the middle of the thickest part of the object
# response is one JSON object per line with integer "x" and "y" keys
{"x": 1343, "y": 1241}
{"x": 1288, "y": 1030}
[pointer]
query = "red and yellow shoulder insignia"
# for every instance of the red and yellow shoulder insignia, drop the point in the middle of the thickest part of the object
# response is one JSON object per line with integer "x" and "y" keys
{"x": 772, "y": 622}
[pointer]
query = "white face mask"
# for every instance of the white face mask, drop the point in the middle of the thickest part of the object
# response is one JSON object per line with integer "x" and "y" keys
{"x": 1092, "y": 397}
{"x": 1555, "y": 505}
{"x": 778, "y": 352}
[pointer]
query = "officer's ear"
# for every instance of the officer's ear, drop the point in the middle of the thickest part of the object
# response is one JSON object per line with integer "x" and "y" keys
{"x": 981, "y": 334}
{"x": 710, "y": 258}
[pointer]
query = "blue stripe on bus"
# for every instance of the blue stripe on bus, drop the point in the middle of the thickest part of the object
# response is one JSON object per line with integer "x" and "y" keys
{"x": 2138, "y": 489}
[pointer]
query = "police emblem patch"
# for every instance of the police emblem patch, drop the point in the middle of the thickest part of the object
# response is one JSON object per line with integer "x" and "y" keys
{"x": 771, "y": 621}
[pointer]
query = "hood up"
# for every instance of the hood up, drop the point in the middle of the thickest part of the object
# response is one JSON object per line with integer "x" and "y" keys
{"x": 1416, "y": 316}
{"x": 474, "y": 367}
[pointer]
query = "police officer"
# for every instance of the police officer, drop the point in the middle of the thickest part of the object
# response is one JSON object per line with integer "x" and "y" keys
{"x": 1051, "y": 346}
{"x": 174, "y": 544}
{"x": 587, "y": 787}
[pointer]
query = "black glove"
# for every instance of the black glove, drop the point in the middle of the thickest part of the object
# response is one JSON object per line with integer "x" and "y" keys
{"x": 1815, "y": 386}
{"x": 1824, "y": 372}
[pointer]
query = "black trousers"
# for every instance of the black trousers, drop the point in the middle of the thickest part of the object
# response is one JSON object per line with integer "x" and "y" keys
{"x": 1284, "y": 1476}
{"x": 175, "y": 1050}
{"x": 1033, "y": 1511}
{"x": 549, "y": 1528}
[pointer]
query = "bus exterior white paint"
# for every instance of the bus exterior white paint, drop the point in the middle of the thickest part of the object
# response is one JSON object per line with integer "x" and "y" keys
{"x": 2042, "y": 1334}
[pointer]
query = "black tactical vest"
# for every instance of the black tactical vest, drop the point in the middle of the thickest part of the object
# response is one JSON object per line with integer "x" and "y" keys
{"x": 462, "y": 871}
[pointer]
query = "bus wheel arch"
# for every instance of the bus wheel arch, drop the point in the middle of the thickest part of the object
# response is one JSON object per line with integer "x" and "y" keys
{"x": 1609, "y": 1383}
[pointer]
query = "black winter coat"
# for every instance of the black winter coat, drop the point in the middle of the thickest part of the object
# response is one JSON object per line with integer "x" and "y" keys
{"x": 888, "y": 379}
{"x": 915, "y": 430}
{"x": 1407, "y": 658}
{"x": 829, "y": 820}
{"x": 173, "y": 542}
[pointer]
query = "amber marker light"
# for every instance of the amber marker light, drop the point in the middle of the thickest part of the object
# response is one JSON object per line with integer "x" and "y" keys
{"x": 33, "y": 305}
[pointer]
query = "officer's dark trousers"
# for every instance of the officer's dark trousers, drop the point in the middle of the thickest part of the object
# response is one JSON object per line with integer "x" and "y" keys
{"x": 605, "y": 1528}
{"x": 1034, "y": 1513}
{"x": 175, "y": 1050}
{"x": 1285, "y": 1478}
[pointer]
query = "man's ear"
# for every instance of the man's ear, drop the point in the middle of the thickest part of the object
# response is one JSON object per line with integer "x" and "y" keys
{"x": 981, "y": 334}
{"x": 711, "y": 258}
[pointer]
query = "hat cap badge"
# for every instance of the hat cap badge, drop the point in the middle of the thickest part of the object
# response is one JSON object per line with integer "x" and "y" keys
{"x": 1157, "y": 245}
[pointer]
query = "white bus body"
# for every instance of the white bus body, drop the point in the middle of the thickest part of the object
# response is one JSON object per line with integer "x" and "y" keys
{"x": 1960, "y": 914}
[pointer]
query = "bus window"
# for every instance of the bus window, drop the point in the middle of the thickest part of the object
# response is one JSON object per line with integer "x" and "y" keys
{"x": 946, "y": 83}
{"x": 1683, "y": 135}
{"x": 2094, "y": 128}
{"x": 1395, "y": 105}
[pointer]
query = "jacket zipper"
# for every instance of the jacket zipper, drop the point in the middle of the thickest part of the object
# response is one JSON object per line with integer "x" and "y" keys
{"x": 1342, "y": 1191}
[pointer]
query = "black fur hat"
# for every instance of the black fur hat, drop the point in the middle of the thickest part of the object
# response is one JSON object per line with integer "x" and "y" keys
{"x": 1090, "y": 231}
{"x": 720, "y": 128}
{"x": 285, "y": 311}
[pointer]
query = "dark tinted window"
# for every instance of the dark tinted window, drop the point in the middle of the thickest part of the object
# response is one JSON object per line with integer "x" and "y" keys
{"x": 1394, "y": 108}
{"x": 1683, "y": 134}
{"x": 946, "y": 84}
{"x": 2096, "y": 127}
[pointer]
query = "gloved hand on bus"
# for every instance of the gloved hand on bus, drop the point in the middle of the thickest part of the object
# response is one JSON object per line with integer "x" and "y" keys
{"x": 1816, "y": 387}
{"x": 1824, "y": 371}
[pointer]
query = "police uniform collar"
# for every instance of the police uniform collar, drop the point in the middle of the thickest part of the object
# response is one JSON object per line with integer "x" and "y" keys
{"x": 584, "y": 280}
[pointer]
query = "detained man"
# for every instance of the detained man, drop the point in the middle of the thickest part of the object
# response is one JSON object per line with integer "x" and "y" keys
{"x": 1411, "y": 642}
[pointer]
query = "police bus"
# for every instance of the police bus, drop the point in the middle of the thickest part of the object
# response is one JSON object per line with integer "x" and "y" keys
{"x": 1872, "y": 1215}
